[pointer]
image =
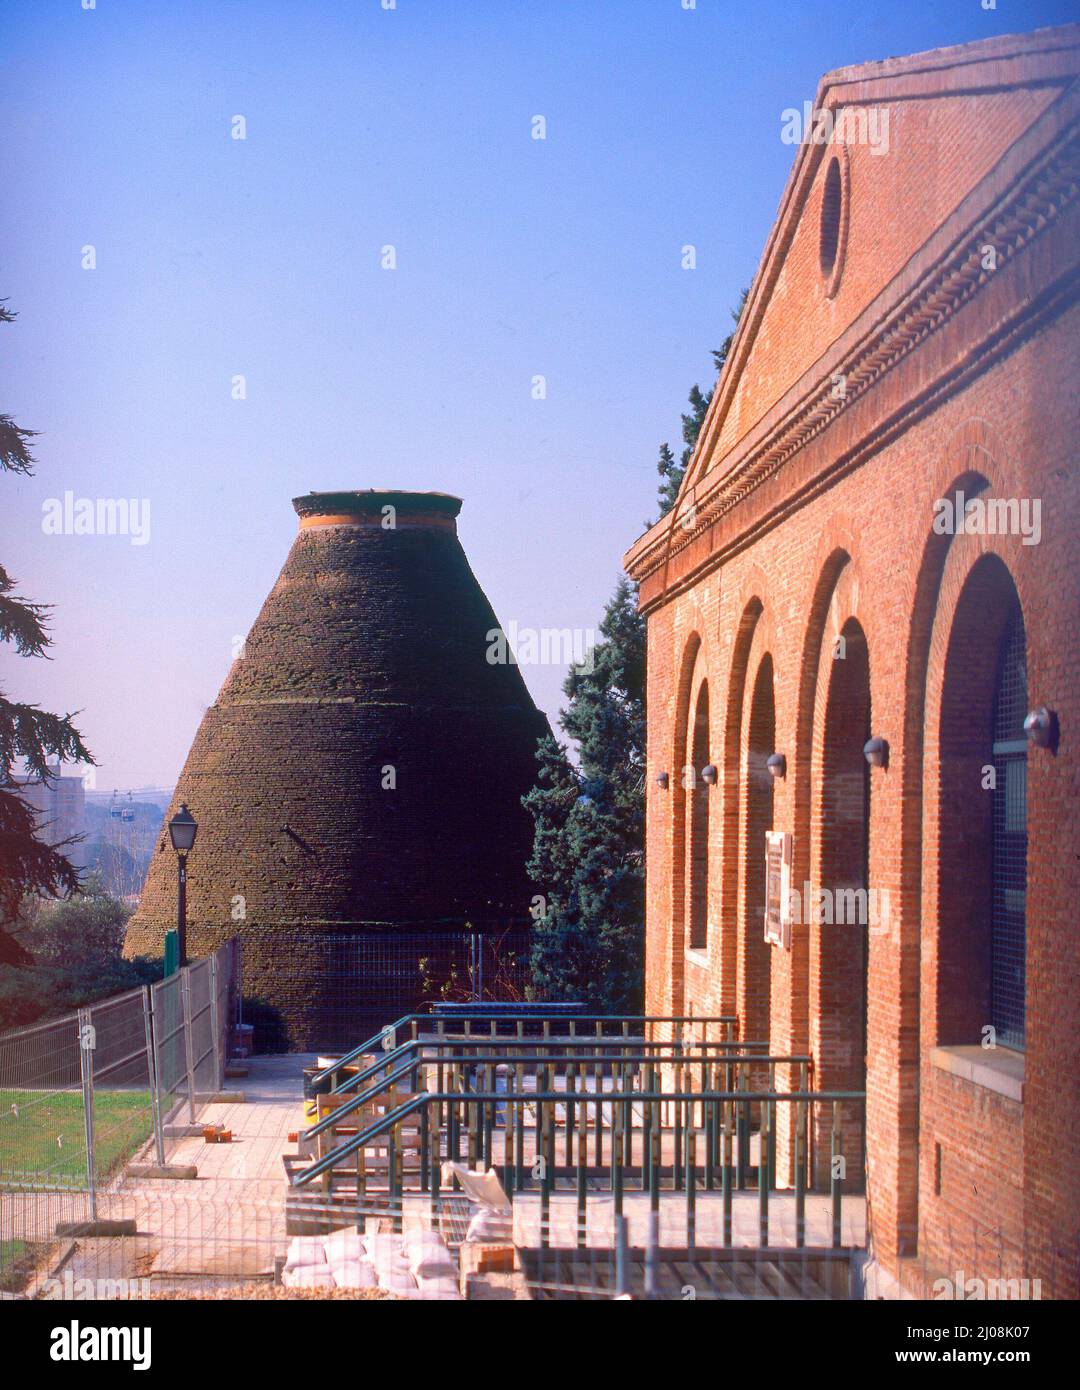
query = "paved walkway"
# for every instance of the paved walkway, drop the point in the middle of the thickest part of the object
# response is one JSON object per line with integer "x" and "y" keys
{"x": 227, "y": 1223}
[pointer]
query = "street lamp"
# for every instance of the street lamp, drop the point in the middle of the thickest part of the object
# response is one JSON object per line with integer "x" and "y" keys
{"x": 182, "y": 831}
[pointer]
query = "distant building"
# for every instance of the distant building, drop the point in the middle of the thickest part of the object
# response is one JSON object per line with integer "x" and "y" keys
{"x": 60, "y": 804}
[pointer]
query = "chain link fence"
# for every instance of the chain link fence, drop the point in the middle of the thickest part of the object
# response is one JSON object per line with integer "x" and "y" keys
{"x": 83, "y": 1095}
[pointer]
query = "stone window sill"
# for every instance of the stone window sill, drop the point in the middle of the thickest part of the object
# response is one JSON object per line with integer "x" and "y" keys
{"x": 997, "y": 1069}
{"x": 697, "y": 957}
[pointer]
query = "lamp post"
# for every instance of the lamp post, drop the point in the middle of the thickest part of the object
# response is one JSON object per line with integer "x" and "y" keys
{"x": 182, "y": 831}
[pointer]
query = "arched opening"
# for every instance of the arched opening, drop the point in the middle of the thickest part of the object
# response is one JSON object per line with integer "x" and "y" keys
{"x": 846, "y": 910}
{"x": 982, "y": 856}
{"x": 1008, "y": 854}
{"x": 756, "y": 969}
{"x": 726, "y": 951}
{"x": 698, "y": 794}
{"x": 673, "y": 998}
{"x": 915, "y": 768}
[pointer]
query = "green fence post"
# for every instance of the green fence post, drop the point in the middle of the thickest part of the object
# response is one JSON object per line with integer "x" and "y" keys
{"x": 725, "y": 1171}
{"x": 763, "y": 1177}
{"x": 582, "y": 1169}
{"x": 800, "y": 1174}
{"x": 571, "y": 1090}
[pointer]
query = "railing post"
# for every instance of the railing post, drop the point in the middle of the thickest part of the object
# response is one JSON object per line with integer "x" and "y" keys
{"x": 394, "y": 1175}
{"x": 87, "y": 1042}
{"x": 571, "y": 1090}
{"x": 835, "y": 1187}
{"x": 800, "y": 1173}
{"x": 547, "y": 1153}
{"x": 742, "y": 1134}
{"x": 725, "y": 1169}
{"x": 691, "y": 1189}
{"x": 618, "y": 1120}
{"x": 654, "y": 1168}
{"x": 519, "y": 1126}
{"x": 152, "y": 1075}
{"x": 219, "y": 1065}
{"x": 582, "y": 1170}
{"x": 763, "y": 1177}
{"x": 622, "y": 1285}
{"x": 651, "y": 1254}
{"x": 676, "y": 1170}
{"x": 647, "y": 1131}
{"x": 709, "y": 1107}
{"x": 488, "y": 1108}
{"x": 189, "y": 1049}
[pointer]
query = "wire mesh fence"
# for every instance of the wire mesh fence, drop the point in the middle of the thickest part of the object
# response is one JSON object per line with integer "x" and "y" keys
{"x": 242, "y": 1243}
{"x": 358, "y": 981}
{"x": 83, "y": 1095}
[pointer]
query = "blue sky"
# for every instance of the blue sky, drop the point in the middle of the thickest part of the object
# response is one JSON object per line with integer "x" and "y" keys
{"x": 260, "y": 257}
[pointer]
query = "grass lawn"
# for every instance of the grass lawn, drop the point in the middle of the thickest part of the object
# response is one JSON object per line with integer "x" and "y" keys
{"x": 43, "y": 1141}
{"x": 11, "y": 1274}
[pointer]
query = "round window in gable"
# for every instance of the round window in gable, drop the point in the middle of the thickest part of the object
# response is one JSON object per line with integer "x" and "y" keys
{"x": 833, "y": 222}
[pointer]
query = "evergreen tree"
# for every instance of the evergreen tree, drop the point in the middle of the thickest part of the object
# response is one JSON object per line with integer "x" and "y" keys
{"x": 589, "y": 826}
{"x": 27, "y": 733}
{"x": 672, "y": 473}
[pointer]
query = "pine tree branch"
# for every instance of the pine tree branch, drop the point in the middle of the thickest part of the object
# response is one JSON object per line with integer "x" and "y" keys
{"x": 22, "y": 622}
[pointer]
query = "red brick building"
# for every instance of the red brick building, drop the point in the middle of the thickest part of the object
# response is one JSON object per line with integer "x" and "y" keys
{"x": 910, "y": 336}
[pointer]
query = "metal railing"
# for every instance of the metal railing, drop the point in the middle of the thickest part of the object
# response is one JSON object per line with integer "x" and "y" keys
{"x": 589, "y": 1110}
{"x": 529, "y": 1023}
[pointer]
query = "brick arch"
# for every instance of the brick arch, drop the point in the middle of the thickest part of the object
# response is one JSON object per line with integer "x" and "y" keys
{"x": 834, "y": 613}
{"x": 977, "y": 585}
{"x": 756, "y": 817}
{"x": 840, "y": 859}
{"x": 727, "y": 949}
{"x": 974, "y": 459}
{"x": 693, "y": 672}
{"x": 830, "y": 567}
{"x": 698, "y": 912}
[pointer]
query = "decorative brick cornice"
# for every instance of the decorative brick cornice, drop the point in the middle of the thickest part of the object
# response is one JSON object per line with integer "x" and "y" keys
{"x": 915, "y": 306}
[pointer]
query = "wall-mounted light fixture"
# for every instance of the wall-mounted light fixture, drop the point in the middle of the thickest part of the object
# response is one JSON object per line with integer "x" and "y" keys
{"x": 777, "y": 765}
{"x": 708, "y": 774}
{"x": 663, "y": 781}
{"x": 876, "y": 752}
{"x": 1041, "y": 727}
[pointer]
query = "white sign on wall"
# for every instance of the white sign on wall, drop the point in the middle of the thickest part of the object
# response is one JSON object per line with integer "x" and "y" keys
{"x": 778, "y": 888}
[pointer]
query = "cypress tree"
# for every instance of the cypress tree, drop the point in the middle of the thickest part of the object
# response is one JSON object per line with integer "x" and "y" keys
{"x": 672, "y": 473}
{"x": 588, "y": 850}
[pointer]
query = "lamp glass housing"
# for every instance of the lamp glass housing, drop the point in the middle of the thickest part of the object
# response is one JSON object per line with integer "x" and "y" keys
{"x": 182, "y": 830}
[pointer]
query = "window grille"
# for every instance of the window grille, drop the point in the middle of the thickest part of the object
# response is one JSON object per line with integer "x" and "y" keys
{"x": 1008, "y": 934}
